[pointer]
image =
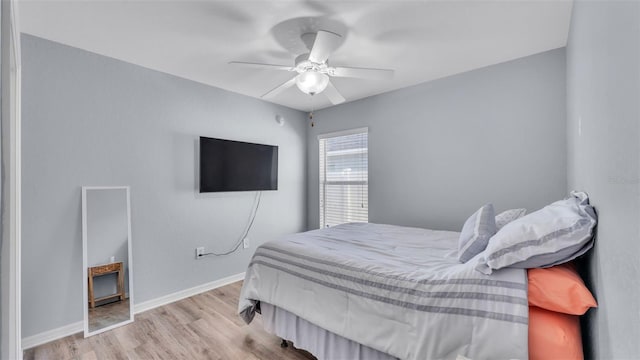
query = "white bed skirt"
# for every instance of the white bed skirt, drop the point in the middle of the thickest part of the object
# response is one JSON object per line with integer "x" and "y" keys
{"x": 321, "y": 343}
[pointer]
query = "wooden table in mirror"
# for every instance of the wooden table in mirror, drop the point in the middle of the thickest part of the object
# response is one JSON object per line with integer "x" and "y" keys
{"x": 106, "y": 269}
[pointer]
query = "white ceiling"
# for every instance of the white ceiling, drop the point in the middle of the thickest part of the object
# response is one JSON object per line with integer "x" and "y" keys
{"x": 421, "y": 40}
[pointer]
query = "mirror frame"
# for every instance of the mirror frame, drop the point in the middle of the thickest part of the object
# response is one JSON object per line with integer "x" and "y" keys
{"x": 85, "y": 286}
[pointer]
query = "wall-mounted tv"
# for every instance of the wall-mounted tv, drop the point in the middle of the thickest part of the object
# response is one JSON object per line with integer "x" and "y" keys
{"x": 227, "y": 165}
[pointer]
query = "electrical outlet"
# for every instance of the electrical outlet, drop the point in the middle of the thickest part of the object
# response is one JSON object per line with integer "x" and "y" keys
{"x": 245, "y": 243}
{"x": 199, "y": 252}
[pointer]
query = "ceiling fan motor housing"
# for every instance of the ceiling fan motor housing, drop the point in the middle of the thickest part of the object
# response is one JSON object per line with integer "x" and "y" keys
{"x": 303, "y": 64}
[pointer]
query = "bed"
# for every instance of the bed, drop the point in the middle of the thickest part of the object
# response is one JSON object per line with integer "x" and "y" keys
{"x": 374, "y": 291}
{"x": 397, "y": 290}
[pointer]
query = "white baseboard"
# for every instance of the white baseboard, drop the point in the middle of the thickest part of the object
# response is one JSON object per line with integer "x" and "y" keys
{"x": 182, "y": 294}
{"x": 64, "y": 331}
{"x": 55, "y": 334}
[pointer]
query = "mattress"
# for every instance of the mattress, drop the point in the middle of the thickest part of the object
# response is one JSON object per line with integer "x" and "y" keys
{"x": 398, "y": 290}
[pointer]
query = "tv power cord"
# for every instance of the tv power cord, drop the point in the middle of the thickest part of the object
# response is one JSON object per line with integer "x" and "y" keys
{"x": 252, "y": 217}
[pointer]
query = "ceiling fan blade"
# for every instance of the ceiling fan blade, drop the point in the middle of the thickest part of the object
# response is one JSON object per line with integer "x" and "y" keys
{"x": 261, "y": 65}
{"x": 280, "y": 88}
{"x": 366, "y": 73}
{"x": 332, "y": 93}
{"x": 326, "y": 42}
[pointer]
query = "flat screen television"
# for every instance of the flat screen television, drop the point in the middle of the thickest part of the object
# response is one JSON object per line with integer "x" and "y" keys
{"x": 227, "y": 165}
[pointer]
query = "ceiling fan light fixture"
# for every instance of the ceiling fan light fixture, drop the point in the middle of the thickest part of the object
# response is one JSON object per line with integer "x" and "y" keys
{"x": 312, "y": 82}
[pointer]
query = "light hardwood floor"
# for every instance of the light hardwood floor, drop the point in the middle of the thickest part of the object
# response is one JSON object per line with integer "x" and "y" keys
{"x": 108, "y": 314}
{"x": 204, "y": 326}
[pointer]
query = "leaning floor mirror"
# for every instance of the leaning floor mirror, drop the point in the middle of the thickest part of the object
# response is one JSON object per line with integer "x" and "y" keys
{"x": 107, "y": 273}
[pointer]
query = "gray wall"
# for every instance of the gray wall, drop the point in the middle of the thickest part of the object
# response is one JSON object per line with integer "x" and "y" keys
{"x": 603, "y": 107}
{"x": 440, "y": 150}
{"x": 107, "y": 235}
{"x": 92, "y": 120}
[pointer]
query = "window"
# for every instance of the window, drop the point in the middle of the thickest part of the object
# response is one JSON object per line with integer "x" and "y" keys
{"x": 344, "y": 177}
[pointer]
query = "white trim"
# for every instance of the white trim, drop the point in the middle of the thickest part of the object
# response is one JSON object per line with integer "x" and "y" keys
{"x": 15, "y": 194}
{"x": 183, "y": 294}
{"x": 324, "y": 158}
{"x": 119, "y": 187}
{"x": 77, "y": 327}
{"x": 15, "y": 34}
{"x": 51, "y": 335}
{"x": 85, "y": 271}
{"x": 110, "y": 327}
{"x": 85, "y": 265}
{"x": 344, "y": 133}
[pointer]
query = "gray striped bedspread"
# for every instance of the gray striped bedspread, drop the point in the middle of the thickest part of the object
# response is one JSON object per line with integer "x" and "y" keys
{"x": 399, "y": 290}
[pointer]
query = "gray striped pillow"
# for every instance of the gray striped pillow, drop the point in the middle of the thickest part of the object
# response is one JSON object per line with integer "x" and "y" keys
{"x": 508, "y": 216}
{"x": 476, "y": 232}
{"x": 553, "y": 235}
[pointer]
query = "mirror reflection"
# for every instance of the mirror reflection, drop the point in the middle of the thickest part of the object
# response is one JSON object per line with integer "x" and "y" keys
{"x": 107, "y": 258}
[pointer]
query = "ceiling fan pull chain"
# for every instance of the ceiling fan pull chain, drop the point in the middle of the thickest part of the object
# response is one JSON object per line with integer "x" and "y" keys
{"x": 311, "y": 112}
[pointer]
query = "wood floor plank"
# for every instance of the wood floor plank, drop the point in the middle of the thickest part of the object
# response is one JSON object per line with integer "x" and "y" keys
{"x": 91, "y": 355}
{"x": 205, "y": 326}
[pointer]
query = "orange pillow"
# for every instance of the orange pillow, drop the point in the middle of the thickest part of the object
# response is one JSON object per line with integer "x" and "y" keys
{"x": 554, "y": 335}
{"x": 559, "y": 288}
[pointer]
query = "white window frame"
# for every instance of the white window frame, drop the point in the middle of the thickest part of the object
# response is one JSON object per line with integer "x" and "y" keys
{"x": 321, "y": 194}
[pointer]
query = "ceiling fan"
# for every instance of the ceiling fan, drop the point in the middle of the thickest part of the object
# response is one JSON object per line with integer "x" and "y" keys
{"x": 314, "y": 70}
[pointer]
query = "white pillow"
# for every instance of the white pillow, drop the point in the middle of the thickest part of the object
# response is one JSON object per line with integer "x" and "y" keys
{"x": 553, "y": 235}
{"x": 508, "y": 216}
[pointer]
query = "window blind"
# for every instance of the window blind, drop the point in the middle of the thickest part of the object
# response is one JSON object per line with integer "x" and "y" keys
{"x": 344, "y": 178}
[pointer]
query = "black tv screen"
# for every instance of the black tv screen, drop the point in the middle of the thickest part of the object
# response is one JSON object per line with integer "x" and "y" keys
{"x": 227, "y": 165}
